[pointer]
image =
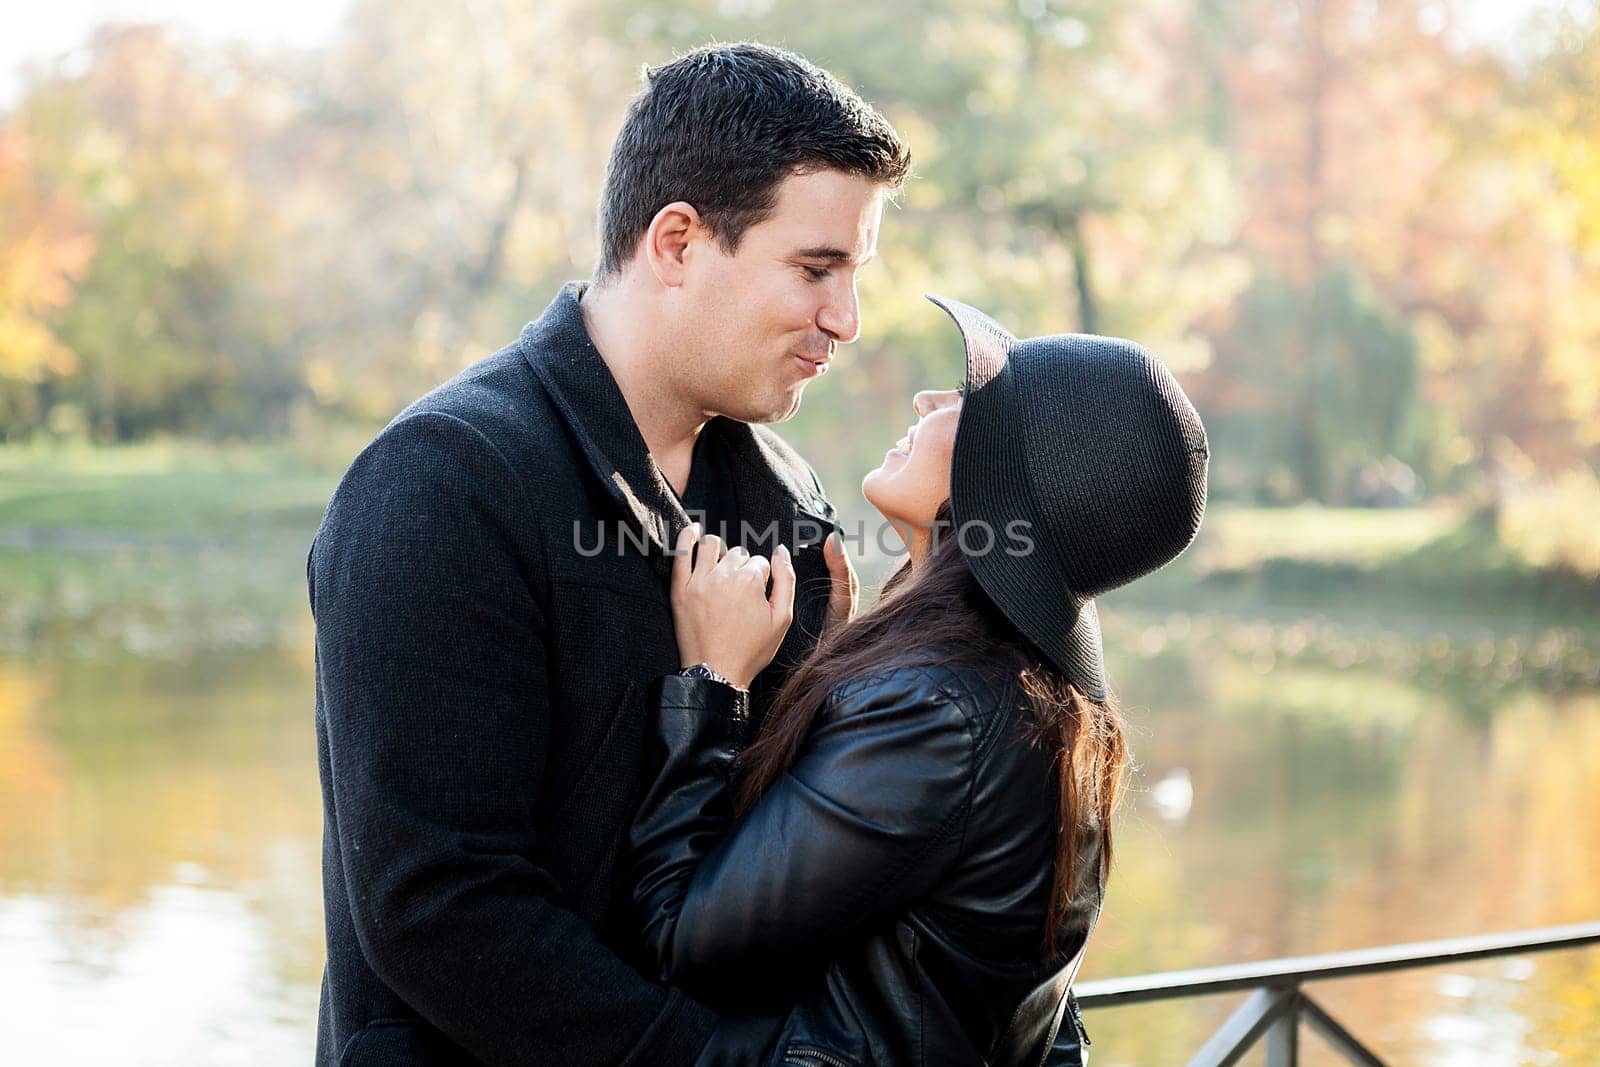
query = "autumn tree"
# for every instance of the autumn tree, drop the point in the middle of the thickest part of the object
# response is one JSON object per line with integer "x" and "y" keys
{"x": 167, "y": 325}
{"x": 1514, "y": 328}
{"x": 44, "y": 249}
{"x": 448, "y": 160}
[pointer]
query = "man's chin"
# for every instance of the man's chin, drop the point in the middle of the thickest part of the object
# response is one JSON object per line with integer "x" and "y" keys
{"x": 782, "y": 410}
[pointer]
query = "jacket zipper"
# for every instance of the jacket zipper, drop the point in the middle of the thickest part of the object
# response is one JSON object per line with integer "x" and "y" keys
{"x": 811, "y": 1055}
{"x": 1077, "y": 1021}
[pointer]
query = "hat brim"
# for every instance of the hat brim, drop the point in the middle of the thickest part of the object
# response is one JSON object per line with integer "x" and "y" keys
{"x": 989, "y": 487}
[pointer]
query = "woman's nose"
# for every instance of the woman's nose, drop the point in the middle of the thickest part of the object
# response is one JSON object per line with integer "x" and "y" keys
{"x": 928, "y": 400}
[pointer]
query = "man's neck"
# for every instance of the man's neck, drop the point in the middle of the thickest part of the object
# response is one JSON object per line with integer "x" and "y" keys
{"x": 616, "y": 320}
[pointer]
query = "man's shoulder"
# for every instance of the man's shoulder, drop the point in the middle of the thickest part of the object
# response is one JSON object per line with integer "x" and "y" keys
{"x": 489, "y": 425}
{"x": 499, "y": 396}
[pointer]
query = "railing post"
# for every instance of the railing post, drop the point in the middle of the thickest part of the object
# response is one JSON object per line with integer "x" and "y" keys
{"x": 1244, "y": 1027}
{"x": 1283, "y": 1036}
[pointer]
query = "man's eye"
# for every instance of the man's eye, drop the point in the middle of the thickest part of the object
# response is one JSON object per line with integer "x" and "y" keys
{"x": 816, "y": 274}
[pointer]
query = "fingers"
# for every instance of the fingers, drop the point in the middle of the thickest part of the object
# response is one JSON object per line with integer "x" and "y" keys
{"x": 696, "y": 555}
{"x": 709, "y": 551}
{"x": 742, "y": 569}
{"x": 852, "y": 581}
{"x": 783, "y": 583}
{"x": 839, "y": 568}
{"x": 708, "y": 564}
{"x": 846, "y": 586}
{"x": 712, "y": 552}
{"x": 833, "y": 552}
{"x": 733, "y": 559}
{"x": 683, "y": 555}
{"x": 754, "y": 573}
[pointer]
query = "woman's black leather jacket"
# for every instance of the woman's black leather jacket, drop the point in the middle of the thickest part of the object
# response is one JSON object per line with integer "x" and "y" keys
{"x": 888, "y": 896}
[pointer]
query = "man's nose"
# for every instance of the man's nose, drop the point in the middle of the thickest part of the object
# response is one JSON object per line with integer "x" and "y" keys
{"x": 840, "y": 317}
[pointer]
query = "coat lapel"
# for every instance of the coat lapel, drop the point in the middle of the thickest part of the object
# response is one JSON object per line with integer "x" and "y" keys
{"x": 768, "y": 483}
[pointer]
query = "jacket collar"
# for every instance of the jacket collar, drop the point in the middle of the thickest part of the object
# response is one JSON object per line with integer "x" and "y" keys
{"x": 770, "y": 489}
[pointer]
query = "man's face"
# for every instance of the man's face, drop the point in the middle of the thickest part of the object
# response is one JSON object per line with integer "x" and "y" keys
{"x": 765, "y": 320}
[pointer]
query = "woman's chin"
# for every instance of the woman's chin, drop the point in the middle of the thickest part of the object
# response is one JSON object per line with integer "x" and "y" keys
{"x": 872, "y": 488}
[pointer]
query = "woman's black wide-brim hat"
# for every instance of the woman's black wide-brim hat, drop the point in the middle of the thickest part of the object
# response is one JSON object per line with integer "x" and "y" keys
{"x": 1090, "y": 442}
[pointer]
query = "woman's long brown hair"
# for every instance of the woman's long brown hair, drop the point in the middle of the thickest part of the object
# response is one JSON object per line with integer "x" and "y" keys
{"x": 938, "y": 613}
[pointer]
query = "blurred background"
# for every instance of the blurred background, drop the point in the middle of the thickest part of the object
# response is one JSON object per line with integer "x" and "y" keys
{"x": 1366, "y": 236}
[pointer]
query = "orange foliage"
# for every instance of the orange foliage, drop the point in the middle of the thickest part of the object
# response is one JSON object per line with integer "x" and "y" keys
{"x": 44, "y": 250}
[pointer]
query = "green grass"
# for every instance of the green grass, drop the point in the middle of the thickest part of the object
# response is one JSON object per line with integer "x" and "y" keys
{"x": 157, "y": 550}
{"x": 1237, "y": 537}
{"x": 169, "y": 539}
{"x": 199, "y": 492}
{"x": 1380, "y": 563}
{"x": 152, "y": 600}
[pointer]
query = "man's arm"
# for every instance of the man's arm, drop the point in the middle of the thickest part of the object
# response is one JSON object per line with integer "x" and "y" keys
{"x": 431, "y": 652}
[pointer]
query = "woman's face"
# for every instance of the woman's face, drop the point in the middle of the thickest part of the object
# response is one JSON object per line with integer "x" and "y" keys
{"x": 914, "y": 478}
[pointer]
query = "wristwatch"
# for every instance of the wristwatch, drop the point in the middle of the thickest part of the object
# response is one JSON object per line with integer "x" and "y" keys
{"x": 738, "y": 700}
{"x": 703, "y": 670}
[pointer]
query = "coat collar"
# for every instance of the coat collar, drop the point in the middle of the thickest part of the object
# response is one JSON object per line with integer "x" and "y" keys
{"x": 770, "y": 488}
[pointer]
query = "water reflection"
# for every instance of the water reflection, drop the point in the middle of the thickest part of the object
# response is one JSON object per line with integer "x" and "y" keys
{"x": 159, "y": 866}
{"x": 160, "y": 827}
{"x": 184, "y": 975}
{"x": 1336, "y": 809}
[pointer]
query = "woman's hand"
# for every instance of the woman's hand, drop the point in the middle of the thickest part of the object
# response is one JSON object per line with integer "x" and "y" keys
{"x": 723, "y": 614}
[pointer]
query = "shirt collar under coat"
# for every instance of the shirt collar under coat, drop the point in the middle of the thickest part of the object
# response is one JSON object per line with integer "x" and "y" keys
{"x": 769, "y": 489}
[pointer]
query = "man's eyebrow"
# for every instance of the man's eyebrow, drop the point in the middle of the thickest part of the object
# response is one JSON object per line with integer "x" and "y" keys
{"x": 836, "y": 255}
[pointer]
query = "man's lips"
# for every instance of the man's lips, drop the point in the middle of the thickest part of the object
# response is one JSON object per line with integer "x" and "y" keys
{"x": 813, "y": 366}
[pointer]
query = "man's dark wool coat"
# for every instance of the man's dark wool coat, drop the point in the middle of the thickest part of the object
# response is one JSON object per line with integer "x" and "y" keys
{"x": 480, "y": 672}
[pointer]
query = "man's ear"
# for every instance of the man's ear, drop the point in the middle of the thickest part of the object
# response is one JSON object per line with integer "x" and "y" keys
{"x": 669, "y": 241}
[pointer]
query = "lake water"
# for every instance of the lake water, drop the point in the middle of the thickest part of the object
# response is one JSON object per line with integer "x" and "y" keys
{"x": 1304, "y": 785}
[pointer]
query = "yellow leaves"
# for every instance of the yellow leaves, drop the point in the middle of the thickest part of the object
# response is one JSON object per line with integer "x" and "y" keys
{"x": 28, "y": 349}
{"x": 1550, "y": 522}
{"x": 324, "y": 381}
{"x": 43, "y": 252}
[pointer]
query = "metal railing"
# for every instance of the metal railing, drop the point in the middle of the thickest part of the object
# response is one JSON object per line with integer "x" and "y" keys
{"x": 1278, "y": 1004}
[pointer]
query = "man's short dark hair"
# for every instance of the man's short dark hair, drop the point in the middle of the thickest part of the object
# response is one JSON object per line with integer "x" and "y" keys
{"x": 720, "y": 128}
